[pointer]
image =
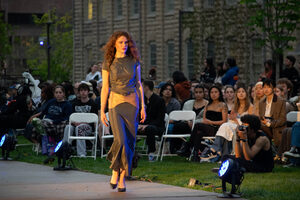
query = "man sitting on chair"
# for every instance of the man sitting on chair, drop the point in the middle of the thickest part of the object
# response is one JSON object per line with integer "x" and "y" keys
{"x": 154, "y": 123}
{"x": 82, "y": 105}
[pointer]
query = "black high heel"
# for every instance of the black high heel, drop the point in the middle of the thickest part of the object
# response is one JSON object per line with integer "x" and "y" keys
{"x": 122, "y": 189}
{"x": 113, "y": 186}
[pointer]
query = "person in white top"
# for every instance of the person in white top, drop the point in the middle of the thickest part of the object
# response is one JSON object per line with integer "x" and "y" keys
{"x": 227, "y": 131}
{"x": 94, "y": 74}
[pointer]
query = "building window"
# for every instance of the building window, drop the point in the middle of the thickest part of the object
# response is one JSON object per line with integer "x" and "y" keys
{"x": 170, "y": 57}
{"x": 231, "y": 2}
{"x": 190, "y": 58}
{"x": 134, "y": 7}
{"x": 151, "y": 4}
{"x": 188, "y": 4}
{"x": 88, "y": 10}
{"x": 102, "y": 8}
{"x": 210, "y": 49}
{"x": 118, "y": 8}
{"x": 256, "y": 59}
{"x": 209, "y": 3}
{"x": 152, "y": 54}
{"x": 169, "y": 6}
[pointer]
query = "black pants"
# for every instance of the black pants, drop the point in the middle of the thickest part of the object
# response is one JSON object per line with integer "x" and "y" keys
{"x": 151, "y": 131}
{"x": 199, "y": 131}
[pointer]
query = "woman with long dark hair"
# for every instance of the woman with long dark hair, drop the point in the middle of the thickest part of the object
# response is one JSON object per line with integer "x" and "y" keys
{"x": 215, "y": 114}
{"x": 227, "y": 131}
{"x": 121, "y": 81}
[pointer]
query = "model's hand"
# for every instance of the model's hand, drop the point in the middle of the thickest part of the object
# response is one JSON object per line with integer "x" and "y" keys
{"x": 104, "y": 119}
{"x": 143, "y": 115}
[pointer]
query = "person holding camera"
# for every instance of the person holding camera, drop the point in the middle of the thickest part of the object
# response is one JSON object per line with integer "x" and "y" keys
{"x": 253, "y": 148}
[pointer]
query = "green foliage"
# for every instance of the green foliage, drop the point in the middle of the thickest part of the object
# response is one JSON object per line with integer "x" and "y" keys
{"x": 277, "y": 20}
{"x": 5, "y": 46}
{"x": 61, "y": 53}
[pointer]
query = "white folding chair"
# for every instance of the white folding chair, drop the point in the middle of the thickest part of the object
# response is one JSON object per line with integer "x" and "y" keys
{"x": 85, "y": 118}
{"x": 104, "y": 137}
{"x": 293, "y": 116}
{"x": 144, "y": 147}
{"x": 177, "y": 115}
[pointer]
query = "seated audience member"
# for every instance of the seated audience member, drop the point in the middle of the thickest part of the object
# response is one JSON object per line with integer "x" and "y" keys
{"x": 229, "y": 97}
{"x": 154, "y": 123}
{"x": 168, "y": 94}
{"x": 227, "y": 131}
{"x": 215, "y": 114}
{"x": 287, "y": 87}
{"x": 94, "y": 73}
{"x": 279, "y": 92}
{"x": 269, "y": 72}
{"x": 294, "y": 152}
{"x": 182, "y": 86}
{"x": 18, "y": 111}
{"x": 253, "y": 148}
{"x": 84, "y": 105}
{"x": 56, "y": 114}
{"x": 197, "y": 105}
{"x": 291, "y": 73}
{"x": 69, "y": 90}
{"x": 259, "y": 96}
{"x": 286, "y": 137}
{"x": 32, "y": 131}
{"x": 194, "y": 83}
{"x": 231, "y": 75}
{"x": 272, "y": 113}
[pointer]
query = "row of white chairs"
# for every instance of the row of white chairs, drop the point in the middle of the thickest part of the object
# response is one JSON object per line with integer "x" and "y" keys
{"x": 178, "y": 115}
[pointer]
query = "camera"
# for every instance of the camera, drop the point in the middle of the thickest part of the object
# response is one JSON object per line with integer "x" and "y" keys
{"x": 242, "y": 127}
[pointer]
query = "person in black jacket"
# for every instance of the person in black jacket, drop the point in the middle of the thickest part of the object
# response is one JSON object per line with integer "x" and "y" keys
{"x": 18, "y": 111}
{"x": 291, "y": 73}
{"x": 154, "y": 123}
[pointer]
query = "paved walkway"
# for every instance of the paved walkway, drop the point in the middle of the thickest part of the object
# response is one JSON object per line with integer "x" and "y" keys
{"x": 20, "y": 180}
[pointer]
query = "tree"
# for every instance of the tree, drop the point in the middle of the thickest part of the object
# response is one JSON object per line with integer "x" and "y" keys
{"x": 61, "y": 49}
{"x": 5, "y": 46}
{"x": 276, "y": 22}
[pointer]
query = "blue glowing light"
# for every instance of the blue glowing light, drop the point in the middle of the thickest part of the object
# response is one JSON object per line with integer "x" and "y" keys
{"x": 58, "y": 146}
{"x": 2, "y": 140}
{"x": 224, "y": 167}
{"x": 42, "y": 43}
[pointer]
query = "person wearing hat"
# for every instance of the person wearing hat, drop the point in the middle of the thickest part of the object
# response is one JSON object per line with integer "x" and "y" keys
{"x": 82, "y": 105}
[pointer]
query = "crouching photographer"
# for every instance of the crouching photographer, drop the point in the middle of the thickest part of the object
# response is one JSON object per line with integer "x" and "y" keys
{"x": 253, "y": 148}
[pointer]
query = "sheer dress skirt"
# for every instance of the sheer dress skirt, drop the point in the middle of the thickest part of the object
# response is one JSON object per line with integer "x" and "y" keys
{"x": 124, "y": 122}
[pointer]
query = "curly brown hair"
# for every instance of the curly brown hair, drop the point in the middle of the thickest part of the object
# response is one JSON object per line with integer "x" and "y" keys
{"x": 110, "y": 50}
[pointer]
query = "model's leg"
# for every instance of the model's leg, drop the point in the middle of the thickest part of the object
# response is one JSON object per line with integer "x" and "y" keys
{"x": 114, "y": 179}
{"x": 121, "y": 184}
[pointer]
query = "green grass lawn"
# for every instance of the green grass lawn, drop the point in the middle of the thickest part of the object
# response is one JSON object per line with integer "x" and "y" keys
{"x": 282, "y": 183}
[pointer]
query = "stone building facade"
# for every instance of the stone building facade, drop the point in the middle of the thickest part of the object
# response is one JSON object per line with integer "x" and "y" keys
{"x": 216, "y": 29}
{"x": 18, "y": 14}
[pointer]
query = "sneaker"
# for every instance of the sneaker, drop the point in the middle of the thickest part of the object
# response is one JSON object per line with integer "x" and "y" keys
{"x": 151, "y": 157}
{"x": 294, "y": 153}
{"x": 207, "y": 153}
{"x": 215, "y": 158}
